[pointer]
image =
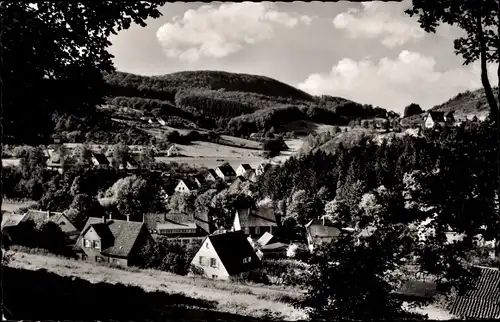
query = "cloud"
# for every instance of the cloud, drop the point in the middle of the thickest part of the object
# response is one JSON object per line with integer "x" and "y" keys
{"x": 218, "y": 31}
{"x": 393, "y": 84}
{"x": 383, "y": 20}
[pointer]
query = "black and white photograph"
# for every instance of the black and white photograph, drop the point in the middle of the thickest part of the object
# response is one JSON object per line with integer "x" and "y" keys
{"x": 250, "y": 161}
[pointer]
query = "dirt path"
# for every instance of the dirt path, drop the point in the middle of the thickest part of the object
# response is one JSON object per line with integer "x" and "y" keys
{"x": 246, "y": 300}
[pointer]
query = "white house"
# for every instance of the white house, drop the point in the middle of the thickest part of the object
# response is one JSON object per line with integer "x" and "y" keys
{"x": 226, "y": 255}
{"x": 225, "y": 172}
{"x": 434, "y": 118}
{"x": 243, "y": 169}
{"x": 186, "y": 186}
{"x": 173, "y": 151}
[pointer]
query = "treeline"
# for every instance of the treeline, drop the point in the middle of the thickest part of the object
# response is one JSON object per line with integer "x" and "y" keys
{"x": 349, "y": 173}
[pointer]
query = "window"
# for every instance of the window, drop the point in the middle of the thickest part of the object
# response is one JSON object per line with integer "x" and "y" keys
{"x": 213, "y": 262}
{"x": 202, "y": 261}
{"x": 214, "y": 276}
{"x": 98, "y": 259}
{"x": 247, "y": 260}
{"x": 87, "y": 243}
{"x": 97, "y": 244}
{"x": 247, "y": 231}
{"x": 207, "y": 246}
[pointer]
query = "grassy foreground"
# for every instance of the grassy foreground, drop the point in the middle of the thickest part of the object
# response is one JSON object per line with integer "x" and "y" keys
{"x": 49, "y": 287}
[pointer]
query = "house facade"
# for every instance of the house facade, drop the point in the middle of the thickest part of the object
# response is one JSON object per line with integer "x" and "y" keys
{"x": 226, "y": 255}
{"x": 254, "y": 223}
{"x": 433, "y": 119}
{"x": 243, "y": 169}
{"x": 226, "y": 172}
{"x": 111, "y": 240}
{"x": 186, "y": 186}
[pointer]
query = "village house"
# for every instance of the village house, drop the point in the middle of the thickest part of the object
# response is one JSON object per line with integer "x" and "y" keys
{"x": 11, "y": 232}
{"x": 270, "y": 247}
{"x": 172, "y": 151}
{"x": 111, "y": 241}
{"x": 254, "y": 223}
{"x": 99, "y": 160}
{"x": 211, "y": 175}
{"x": 40, "y": 217}
{"x": 320, "y": 231}
{"x": 55, "y": 161}
{"x": 226, "y": 255}
{"x": 225, "y": 172}
{"x": 243, "y": 169}
{"x": 186, "y": 185}
{"x": 185, "y": 227}
{"x": 435, "y": 118}
{"x": 262, "y": 168}
{"x": 200, "y": 180}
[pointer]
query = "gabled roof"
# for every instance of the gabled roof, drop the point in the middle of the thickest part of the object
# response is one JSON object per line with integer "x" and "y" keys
{"x": 101, "y": 158}
{"x": 124, "y": 233}
{"x": 201, "y": 179}
{"x": 246, "y": 166}
{"x": 212, "y": 173}
{"x": 103, "y": 231}
{"x": 322, "y": 228}
{"x": 201, "y": 219}
{"x": 481, "y": 301}
{"x": 227, "y": 170}
{"x": 436, "y": 116}
{"x": 263, "y": 217}
{"x": 39, "y": 217}
{"x": 190, "y": 183}
{"x": 275, "y": 247}
{"x": 232, "y": 248}
{"x": 9, "y": 220}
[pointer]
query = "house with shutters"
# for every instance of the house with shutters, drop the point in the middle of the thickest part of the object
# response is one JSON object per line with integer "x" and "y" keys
{"x": 225, "y": 172}
{"x": 111, "y": 241}
{"x": 226, "y": 255}
{"x": 254, "y": 223}
{"x": 243, "y": 169}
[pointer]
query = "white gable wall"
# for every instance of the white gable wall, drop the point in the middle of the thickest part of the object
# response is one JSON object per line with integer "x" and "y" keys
{"x": 236, "y": 222}
{"x": 206, "y": 252}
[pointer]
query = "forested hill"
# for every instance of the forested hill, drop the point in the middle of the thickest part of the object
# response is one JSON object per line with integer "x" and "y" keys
{"x": 237, "y": 103}
{"x": 467, "y": 103}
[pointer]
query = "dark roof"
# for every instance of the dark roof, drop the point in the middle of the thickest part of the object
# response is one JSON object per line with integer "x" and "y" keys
{"x": 179, "y": 218}
{"x": 103, "y": 231}
{"x": 275, "y": 247}
{"x": 39, "y": 217}
{"x": 124, "y": 233}
{"x": 437, "y": 116}
{"x": 450, "y": 113}
{"x": 246, "y": 166}
{"x": 212, "y": 172}
{"x": 227, "y": 170}
{"x": 101, "y": 158}
{"x": 201, "y": 179}
{"x": 150, "y": 220}
{"x": 232, "y": 248}
{"x": 320, "y": 228}
{"x": 190, "y": 183}
{"x": 481, "y": 301}
{"x": 263, "y": 217}
{"x": 202, "y": 220}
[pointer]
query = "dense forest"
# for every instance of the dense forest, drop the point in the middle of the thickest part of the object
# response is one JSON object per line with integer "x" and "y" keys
{"x": 239, "y": 104}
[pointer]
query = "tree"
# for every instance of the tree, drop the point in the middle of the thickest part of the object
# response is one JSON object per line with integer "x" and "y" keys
{"x": 131, "y": 195}
{"x": 83, "y": 207}
{"x": 120, "y": 155}
{"x": 147, "y": 159}
{"x": 412, "y": 109}
{"x": 481, "y": 23}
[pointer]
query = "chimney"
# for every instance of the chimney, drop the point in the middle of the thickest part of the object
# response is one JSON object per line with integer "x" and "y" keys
{"x": 110, "y": 216}
{"x": 128, "y": 217}
{"x": 104, "y": 219}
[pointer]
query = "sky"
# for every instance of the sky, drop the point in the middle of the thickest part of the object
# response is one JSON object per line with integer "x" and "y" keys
{"x": 370, "y": 52}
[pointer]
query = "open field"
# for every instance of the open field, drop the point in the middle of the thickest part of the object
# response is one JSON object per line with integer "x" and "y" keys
{"x": 252, "y": 301}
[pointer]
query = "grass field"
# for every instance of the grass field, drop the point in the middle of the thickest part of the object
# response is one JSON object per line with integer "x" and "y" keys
{"x": 252, "y": 301}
